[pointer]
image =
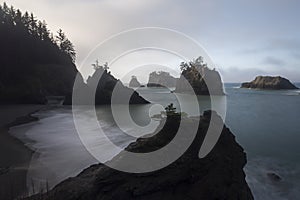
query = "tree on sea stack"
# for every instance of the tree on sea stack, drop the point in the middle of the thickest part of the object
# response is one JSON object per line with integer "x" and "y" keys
{"x": 96, "y": 65}
{"x": 170, "y": 109}
{"x": 104, "y": 67}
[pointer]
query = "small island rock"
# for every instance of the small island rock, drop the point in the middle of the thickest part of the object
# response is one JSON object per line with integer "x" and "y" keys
{"x": 134, "y": 82}
{"x": 196, "y": 77}
{"x": 269, "y": 83}
{"x": 105, "y": 84}
{"x": 161, "y": 79}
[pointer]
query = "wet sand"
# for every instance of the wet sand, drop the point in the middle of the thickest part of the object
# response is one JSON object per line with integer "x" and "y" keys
{"x": 14, "y": 155}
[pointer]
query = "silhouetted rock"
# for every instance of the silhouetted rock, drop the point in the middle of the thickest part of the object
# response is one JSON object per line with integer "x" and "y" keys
{"x": 106, "y": 84}
{"x": 134, "y": 82}
{"x": 161, "y": 79}
{"x": 269, "y": 83}
{"x": 219, "y": 175}
{"x": 196, "y": 75}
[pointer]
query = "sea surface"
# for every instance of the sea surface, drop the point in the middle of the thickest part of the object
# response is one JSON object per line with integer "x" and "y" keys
{"x": 265, "y": 123}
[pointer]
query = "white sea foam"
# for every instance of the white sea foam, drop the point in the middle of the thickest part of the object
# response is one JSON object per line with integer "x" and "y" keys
{"x": 59, "y": 153}
{"x": 264, "y": 188}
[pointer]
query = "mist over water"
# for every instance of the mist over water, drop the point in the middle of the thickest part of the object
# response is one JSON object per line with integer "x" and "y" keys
{"x": 265, "y": 123}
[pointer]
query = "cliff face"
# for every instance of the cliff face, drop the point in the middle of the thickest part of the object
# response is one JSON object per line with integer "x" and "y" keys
{"x": 270, "y": 83}
{"x": 106, "y": 83}
{"x": 218, "y": 176}
{"x": 161, "y": 79}
{"x": 195, "y": 77}
{"x": 134, "y": 82}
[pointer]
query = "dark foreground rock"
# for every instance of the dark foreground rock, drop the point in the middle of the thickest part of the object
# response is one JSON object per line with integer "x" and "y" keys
{"x": 219, "y": 175}
{"x": 269, "y": 83}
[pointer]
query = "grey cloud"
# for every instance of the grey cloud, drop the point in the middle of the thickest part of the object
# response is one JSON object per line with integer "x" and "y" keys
{"x": 221, "y": 26}
{"x": 287, "y": 45}
{"x": 270, "y": 60}
{"x": 236, "y": 74}
{"x": 295, "y": 55}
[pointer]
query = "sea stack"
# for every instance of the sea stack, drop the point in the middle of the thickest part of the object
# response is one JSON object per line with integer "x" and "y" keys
{"x": 269, "y": 83}
{"x": 105, "y": 84}
{"x": 197, "y": 76}
{"x": 161, "y": 79}
{"x": 134, "y": 82}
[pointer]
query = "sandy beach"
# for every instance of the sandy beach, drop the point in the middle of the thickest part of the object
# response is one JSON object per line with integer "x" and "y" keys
{"x": 14, "y": 155}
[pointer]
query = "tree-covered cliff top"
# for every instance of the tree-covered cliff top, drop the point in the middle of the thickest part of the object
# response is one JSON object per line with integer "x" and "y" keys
{"x": 34, "y": 62}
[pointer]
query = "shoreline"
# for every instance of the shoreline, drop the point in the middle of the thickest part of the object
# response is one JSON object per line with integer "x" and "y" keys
{"x": 15, "y": 155}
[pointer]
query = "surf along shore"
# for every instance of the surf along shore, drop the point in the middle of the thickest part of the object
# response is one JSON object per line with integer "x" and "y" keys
{"x": 15, "y": 157}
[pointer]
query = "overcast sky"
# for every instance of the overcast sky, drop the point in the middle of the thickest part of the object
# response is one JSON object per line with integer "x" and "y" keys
{"x": 244, "y": 38}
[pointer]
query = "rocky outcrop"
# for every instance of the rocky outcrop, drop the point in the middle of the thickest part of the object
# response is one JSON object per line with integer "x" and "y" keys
{"x": 134, "y": 82}
{"x": 106, "y": 83}
{"x": 269, "y": 83}
{"x": 219, "y": 175}
{"x": 197, "y": 76}
{"x": 198, "y": 84}
{"x": 161, "y": 79}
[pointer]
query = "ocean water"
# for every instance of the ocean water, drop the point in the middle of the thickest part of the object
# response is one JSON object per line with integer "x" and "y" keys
{"x": 265, "y": 123}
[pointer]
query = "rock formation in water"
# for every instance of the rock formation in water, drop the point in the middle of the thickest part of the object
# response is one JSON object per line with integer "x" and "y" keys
{"x": 196, "y": 75}
{"x": 106, "y": 84}
{"x": 219, "y": 175}
{"x": 269, "y": 83}
{"x": 134, "y": 82}
{"x": 161, "y": 79}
